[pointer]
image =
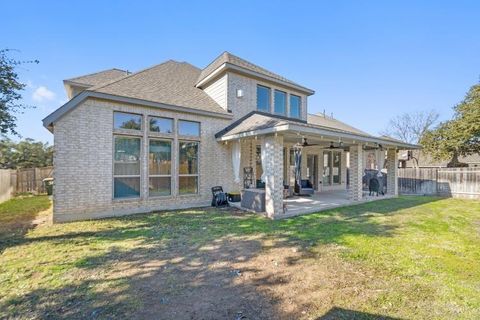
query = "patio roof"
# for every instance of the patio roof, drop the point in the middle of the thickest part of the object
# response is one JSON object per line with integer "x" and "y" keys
{"x": 259, "y": 123}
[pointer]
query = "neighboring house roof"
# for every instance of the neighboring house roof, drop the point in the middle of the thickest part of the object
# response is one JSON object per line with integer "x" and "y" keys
{"x": 425, "y": 160}
{"x": 227, "y": 58}
{"x": 98, "y": 78}
{"x": 256, "y": 123}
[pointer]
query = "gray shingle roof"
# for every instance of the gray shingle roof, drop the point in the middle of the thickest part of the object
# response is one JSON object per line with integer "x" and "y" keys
{"x": 101, "y": 77}
{"x": 227, "y": 57}
{"x": 170, "y": 83}
{"x": 329, "y": 122}
{"x": 256, "y": 121}
{"x": 259, "y": 120}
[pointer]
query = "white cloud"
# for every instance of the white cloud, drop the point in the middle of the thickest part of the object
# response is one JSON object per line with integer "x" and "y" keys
{"x": 43, "y": 94}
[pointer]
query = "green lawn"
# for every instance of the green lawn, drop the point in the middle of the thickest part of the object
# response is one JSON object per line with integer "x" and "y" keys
{"x": 409, "y": 258}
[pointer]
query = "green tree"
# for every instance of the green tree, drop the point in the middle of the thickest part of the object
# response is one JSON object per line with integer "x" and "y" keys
{"x": 25, "y": 154}
{"x": 10, "y": 88}
{"x": 459, "y": 136}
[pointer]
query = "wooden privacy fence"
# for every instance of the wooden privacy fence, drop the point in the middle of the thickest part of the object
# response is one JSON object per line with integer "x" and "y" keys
{"x": 31, "y": 179}
{"x": 450, "y": 182}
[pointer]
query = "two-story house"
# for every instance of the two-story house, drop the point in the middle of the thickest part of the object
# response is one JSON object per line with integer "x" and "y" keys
{"x": 160, "y": 138}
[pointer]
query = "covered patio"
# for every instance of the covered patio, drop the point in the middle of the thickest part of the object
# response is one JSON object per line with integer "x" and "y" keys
{"x": 287, "y": 167}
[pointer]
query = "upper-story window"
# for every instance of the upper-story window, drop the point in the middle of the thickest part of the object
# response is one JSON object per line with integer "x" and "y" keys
{"x": 131, "y": 121}
{"x": 280, "y": 106}
{"x": 161, "y": 125}
{"x": 295, "y": 106}
{"x": 188, "y": 128}
{"x": 263, "y": 98}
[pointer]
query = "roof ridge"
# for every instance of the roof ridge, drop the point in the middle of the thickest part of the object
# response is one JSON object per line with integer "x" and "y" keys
{"x": 214, "y": 60}
{"x": 103, "y": 85}
{"x": 94, "y": 73}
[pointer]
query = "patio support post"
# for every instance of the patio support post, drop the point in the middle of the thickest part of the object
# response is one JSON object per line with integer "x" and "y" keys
{"x": 273, "y": 175}
{"x": 392, "y": 172}
{"x": 355, "y": 191}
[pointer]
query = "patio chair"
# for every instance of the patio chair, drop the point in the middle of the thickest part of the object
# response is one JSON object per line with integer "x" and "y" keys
{"x": 219, "y": 198}
{"x": 373, "y": 186}
{"x": 305, "y": 188}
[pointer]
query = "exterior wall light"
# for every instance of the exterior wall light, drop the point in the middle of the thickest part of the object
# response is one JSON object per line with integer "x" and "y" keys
{"x": 239, "y": 93}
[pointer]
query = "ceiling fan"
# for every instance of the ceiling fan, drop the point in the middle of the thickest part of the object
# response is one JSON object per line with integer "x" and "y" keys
{"x": 305, "y": 144}
{"x": 332, "y": 145}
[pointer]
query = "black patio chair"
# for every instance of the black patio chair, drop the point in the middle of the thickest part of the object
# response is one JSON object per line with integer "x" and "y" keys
{"x": 373, "y": 186}
{"x": 219, "y": 198}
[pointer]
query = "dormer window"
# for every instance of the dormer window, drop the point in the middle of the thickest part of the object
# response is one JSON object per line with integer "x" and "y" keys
{"x": 295, "y": 106}
{"x": 280, "y": 102}
{"x": 263, "y": 98}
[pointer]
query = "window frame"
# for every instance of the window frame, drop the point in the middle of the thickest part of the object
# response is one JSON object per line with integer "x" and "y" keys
{"x": 130, "y": 131}
{"x": 186, "y": 136}
{"x": 299, "y": 106}
{"x": 330, "y": 167}
{"x": 269, "y": 100}
{"x": 172, "y": 168}
{"x": 139, "y": 176}
{"x": 178, "y": 174}
{"x": 150, "y": 132}
{"x": 275, "y": 102}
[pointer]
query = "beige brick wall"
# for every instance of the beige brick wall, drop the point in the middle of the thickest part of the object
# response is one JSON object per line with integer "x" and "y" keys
{"x": 392, "y": 172}
{"x": 84, "y": 163}
{"x": 274, "y": 175}
{"x": 355, "y": 191}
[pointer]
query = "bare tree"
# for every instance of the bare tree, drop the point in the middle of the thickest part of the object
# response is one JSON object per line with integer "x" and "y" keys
{"x": 410, "y": 128}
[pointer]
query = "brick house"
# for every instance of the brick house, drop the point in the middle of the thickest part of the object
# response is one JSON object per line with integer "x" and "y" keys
{"x": 160, "y": 139}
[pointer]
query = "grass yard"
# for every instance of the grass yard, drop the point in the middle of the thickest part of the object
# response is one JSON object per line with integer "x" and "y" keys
{"x": 405, "y": 258}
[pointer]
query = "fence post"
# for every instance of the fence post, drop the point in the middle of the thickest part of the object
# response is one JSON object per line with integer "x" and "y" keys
{"x": 436, "y": 181}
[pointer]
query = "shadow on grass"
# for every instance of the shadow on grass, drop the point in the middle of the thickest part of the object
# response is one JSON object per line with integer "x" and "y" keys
{"x": 340, "y": 313}
{"x": 181, "y": 266}
{"x": 17, "y": 217}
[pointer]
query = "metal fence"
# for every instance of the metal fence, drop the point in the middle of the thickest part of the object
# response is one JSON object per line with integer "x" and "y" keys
{"x": 450, "y": 182}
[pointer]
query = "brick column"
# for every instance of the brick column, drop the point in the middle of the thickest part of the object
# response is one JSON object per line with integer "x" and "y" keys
{"x": 273, "y": 175}
{"x": 392, "y": 172}
{"x": 355, "y": 191}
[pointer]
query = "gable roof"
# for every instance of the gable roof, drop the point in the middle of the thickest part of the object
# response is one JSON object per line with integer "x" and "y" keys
{"x": 98, "y": 78}
{"x": 226, "y": 58}
{"x": 170, "y": 82}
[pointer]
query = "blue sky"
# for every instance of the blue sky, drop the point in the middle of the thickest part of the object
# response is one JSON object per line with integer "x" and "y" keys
{"x": 366, "y": 60}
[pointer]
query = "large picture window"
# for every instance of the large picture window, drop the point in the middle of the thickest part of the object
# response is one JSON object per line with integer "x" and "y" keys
{"x": 280, "y": 102}
{"x": 188, "y": 167}
{"x": 159, "y": 168}
{"x": 263, "y": 98}
{"x": 130, "y": 121}
{"x": 126, "y": 167}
